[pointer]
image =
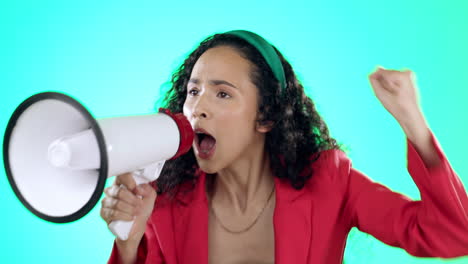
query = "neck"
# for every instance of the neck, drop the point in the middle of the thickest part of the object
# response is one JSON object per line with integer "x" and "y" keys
{"x": 246, "y": 183}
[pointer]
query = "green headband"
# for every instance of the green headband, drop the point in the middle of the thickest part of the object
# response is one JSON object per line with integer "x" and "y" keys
{"x": 267, "y": 51}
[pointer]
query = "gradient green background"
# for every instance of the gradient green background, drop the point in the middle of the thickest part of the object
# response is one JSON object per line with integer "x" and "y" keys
{"x": 114, "y": 56}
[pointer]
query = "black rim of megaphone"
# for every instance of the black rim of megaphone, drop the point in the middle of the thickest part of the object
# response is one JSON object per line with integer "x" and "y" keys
{"x": 102, "y": 148}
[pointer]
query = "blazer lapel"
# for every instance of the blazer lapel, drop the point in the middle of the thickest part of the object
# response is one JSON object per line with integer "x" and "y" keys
{"x": 183, "y": 226}
{"x": 292, "y": 222}
{"x": 163, "y": 224}
{"x": 191, "y": 224}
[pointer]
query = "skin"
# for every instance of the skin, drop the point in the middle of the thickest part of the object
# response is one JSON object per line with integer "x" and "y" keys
{"x": 398, "y": 93}
{"x": 228, "y": 112}
{"x": 222, "y": 100}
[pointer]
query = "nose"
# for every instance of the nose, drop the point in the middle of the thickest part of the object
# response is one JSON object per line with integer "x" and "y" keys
{"x": 199, "y": 115}
{"x": 200, "y": 109}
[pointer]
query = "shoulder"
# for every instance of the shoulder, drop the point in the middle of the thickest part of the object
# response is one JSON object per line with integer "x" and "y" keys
{"x": 182, "y": 194}
{"x": 332, "y": 160}
{"x": 331, "y": 166}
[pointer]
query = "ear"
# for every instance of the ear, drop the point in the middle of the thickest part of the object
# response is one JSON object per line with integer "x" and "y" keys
{"x": 265, "y": 126}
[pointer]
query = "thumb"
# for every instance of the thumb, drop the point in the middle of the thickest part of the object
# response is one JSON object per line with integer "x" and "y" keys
{"x": 144, "y": 190}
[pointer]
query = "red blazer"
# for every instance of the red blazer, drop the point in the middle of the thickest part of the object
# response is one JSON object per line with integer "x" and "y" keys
{"x": 311, "y": 225}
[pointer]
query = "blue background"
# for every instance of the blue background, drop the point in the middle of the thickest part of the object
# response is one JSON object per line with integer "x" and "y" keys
{"x": 114, "y": 56}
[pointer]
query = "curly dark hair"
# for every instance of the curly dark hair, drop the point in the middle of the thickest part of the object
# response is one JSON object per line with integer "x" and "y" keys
{"x": 298, "y": 134}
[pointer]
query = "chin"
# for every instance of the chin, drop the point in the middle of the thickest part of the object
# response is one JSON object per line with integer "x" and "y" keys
{"x": 208, "y": 170}
{"x": 206, "y": 167}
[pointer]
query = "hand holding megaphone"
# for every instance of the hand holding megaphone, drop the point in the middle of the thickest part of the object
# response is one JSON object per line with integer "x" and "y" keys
{"x": 128, "y": 194}
{"x": 128, "y": 206}
{"x": 57, "y": 156}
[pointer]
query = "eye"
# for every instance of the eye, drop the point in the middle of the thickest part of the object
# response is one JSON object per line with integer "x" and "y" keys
{"x": 193, "y": 92}
{"x": 223, "y": 95}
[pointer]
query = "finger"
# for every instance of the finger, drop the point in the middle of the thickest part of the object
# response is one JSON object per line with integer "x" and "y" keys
{"x": 146, "y": 191}
{"x": 388, "y": 83}
{"x": 121, "y": 193}
{"x": 385, "y": 81}
{"x": 376, "y": 85}
{"x": 127, "y": 196}
{"x": 108, "y": 202}
{"x": 112, "y": 191}
{"x": 119, "y": 205}
{"x": 110, "y": 215}
{"x": 127, "y": 180}
{"x": 104, "y": 215}
{"x": 411, "y": 74}
{"x": 394, "y": 75}
{"x": 118, "y": 178}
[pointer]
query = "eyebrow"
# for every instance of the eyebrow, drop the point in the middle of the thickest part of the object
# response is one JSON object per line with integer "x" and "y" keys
{"x": 214, "y": 82}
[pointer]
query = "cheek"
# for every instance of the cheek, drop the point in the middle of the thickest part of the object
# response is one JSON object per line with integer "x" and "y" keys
{"x": 243, "y": 117}
{"x": 236, "y": 124}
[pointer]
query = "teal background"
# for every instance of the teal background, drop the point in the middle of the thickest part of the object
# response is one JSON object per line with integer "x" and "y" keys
{"x": 115, "y": 55}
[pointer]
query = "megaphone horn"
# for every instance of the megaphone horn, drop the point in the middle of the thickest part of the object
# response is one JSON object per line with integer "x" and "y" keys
{"x": 57, "y": 156}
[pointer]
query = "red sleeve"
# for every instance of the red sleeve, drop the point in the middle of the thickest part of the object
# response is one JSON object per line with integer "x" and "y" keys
{"x": 435, "y": 226}
{"x": 149, "y": 250}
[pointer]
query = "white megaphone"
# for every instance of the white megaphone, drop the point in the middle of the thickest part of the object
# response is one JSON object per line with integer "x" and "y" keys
{"x": 57, "y": 156}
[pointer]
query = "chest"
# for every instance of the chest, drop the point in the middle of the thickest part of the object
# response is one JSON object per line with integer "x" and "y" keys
{"x": 257, "y": 245}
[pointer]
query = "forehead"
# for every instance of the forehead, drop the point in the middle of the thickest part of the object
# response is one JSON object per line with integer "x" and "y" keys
{"x": 222, "y": 62}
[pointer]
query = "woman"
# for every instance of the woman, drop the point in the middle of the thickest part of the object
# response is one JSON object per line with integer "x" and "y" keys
{"x": 264, "y": 181}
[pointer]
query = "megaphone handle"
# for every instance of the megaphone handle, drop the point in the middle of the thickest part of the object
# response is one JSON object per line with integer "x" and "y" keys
{"x": 119, "y": 228}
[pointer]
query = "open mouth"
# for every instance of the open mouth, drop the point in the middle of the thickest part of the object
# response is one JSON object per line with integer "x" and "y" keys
{"x": 205, "y": 143}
